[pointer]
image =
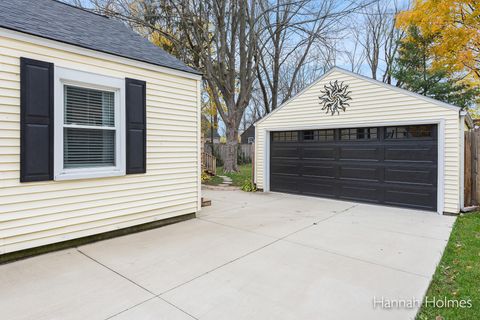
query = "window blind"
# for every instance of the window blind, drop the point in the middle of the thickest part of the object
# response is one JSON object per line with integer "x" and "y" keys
{"x": 89, "y": 107}
{"x": 89, "y": 128}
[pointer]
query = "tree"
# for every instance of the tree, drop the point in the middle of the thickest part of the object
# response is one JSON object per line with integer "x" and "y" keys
{"x": 218, "y": 37}
{"x": 455, "y": 25}
{"x": 295, "y": 33}
{"x": 375, "y": 31}
{"x": 415, "y": 72}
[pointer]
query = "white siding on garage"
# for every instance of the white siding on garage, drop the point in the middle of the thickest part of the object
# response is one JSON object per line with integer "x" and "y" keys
{"x": 39, "y": 213}
{"x": 371, "y": 103}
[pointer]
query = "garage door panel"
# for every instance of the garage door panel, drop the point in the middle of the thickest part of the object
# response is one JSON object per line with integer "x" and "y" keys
{"x": 393, "y": 166}
{"x": 319, "y": 187}
{"x": 420, "y": 176}
{"x": 360, "y": 173}
{"x": 426, "y": 153}
{"x": 319, "y": 153}
{"x": 285, "y": 184}
{"x": 411, "y": 197}
{"x": 286, "y": 152}
{"x": 286, "y": 168}
{"x": 319, "y": 170}
{"x": 359, "y": 153}
{"x": 360, "y": 193}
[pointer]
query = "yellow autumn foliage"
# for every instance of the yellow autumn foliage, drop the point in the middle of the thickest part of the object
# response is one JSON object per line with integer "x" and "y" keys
{"x": 455, "y": 25}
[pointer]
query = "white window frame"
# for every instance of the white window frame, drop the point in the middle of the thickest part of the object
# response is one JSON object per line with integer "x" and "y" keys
{"x": 65, "y": 76}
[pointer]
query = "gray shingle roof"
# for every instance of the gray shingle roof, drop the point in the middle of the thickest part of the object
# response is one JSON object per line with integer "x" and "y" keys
{"x": 58, "y": 21}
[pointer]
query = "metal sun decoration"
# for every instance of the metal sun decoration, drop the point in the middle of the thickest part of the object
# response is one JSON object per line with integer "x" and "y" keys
{"x": 335, "y": 97}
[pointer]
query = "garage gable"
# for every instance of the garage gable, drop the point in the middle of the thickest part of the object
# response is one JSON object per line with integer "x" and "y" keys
{"x": 367, "y": 103}
{"x": 362, "y": 91}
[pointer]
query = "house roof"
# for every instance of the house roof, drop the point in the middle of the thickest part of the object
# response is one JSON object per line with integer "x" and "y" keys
{"x": 359, "y": 76}
{"x": 250, "y": 131}
{"x": 62, "y": 22}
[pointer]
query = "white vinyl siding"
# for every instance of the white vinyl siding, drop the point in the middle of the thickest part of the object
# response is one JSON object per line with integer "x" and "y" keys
{"x": 40, "y": 213}
{"x": 371, "y": 103}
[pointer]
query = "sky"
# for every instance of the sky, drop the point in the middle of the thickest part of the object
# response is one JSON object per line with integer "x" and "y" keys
{"x": 345, "y": 40}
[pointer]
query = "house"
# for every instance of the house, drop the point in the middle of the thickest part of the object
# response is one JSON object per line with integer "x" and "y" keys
{"x": 248, "y": 136}
{"x": 350, "y": 137}
{"x": 99, "y": 129}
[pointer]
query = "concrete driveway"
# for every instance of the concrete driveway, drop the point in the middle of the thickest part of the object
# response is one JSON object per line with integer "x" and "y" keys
{"x": 248, "y": 256}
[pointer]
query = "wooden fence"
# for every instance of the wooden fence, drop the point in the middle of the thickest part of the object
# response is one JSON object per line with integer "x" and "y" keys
{"x": 472, "y": 180}
{"x": 245, "y": 151}
{"x": 209, "y": 163}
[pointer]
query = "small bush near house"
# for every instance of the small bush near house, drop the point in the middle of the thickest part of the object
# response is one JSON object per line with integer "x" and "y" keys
{"x": 205, "y": 177}
{"x": 249, "y": 186}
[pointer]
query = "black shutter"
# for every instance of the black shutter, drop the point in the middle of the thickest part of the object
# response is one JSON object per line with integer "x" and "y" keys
{"x": 136, "y": 114}
{"x": 36, "y": 120}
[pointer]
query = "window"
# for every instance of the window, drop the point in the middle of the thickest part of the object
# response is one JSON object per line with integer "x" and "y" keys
{"x": 309, "y": 135}
{"x": 318, "y": 135}
{"x": 89, "y": 128}
{"x": 285, "y": 136}
{"x": 89, "y": 125}
{"x": 326, "y": 135}
{"x": 251, "y": 140}
{"x": 358, "y": 134}
{"x": 409, "y": 132}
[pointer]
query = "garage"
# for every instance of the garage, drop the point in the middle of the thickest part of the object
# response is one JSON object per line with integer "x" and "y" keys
{"x": 394, "y": 165}
{"x": 349, "y": 137}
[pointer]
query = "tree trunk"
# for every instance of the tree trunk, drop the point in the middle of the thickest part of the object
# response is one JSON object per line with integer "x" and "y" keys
{"x": 230, "y": 161}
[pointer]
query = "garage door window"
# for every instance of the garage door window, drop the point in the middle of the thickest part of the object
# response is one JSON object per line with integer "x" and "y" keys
{"x": 409, "y": 132}
{"x": 318, "y": 135}
{"x": 286, "y": 136}
{"x": 358, "y": 134}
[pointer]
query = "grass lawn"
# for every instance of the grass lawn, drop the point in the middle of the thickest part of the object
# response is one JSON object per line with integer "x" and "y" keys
{"x": 458, "y": 274}
{"x": 238, "y": 178}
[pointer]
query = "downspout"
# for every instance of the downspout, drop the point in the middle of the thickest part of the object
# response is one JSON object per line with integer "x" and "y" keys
{"x": 463, "y": 114}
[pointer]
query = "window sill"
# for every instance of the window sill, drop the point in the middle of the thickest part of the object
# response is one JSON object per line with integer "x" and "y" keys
{"x": 88, "y": 174}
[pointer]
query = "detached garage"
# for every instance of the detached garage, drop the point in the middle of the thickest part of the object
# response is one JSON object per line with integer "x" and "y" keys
{"x": 354, "y": 138}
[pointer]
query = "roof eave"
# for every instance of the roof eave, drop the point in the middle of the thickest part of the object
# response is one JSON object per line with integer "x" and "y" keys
{"x": 193, "y": 71}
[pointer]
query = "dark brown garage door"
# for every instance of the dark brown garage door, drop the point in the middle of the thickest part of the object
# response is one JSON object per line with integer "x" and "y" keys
{"x": 385, "y": 165}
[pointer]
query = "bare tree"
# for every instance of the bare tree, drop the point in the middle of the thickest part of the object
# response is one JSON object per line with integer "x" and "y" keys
{"x": 219, "y": 37}
{"x": 294, "y": 30}
{"x": 355, "y": 54}
{"x": 376, "y": 33}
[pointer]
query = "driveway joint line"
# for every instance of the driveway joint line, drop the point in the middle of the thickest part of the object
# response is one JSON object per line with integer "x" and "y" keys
{"x": 354, "y": 258}
{"x": 129, "y": 308}
{"x": 116, "y": 272}
{"x": 135, "y": 283}
{"x": 176, "y": 307}
{"x": 236, "y": 228}
{"x": 254, "y": 251}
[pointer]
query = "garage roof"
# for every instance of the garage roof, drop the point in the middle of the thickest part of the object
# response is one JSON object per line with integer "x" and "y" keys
{"x": 62, "y": 22}
{"x": 353, "y": 74}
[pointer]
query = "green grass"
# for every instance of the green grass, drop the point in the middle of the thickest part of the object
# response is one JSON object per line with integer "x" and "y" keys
{"x": 214, "y": 181}
{"x": 458, "y": 275}
{"x": 238, "y": 178}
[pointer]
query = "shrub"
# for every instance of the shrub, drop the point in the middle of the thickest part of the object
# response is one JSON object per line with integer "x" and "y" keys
{"x": 205, "y": 176}
{"x": 249, "y": 186}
